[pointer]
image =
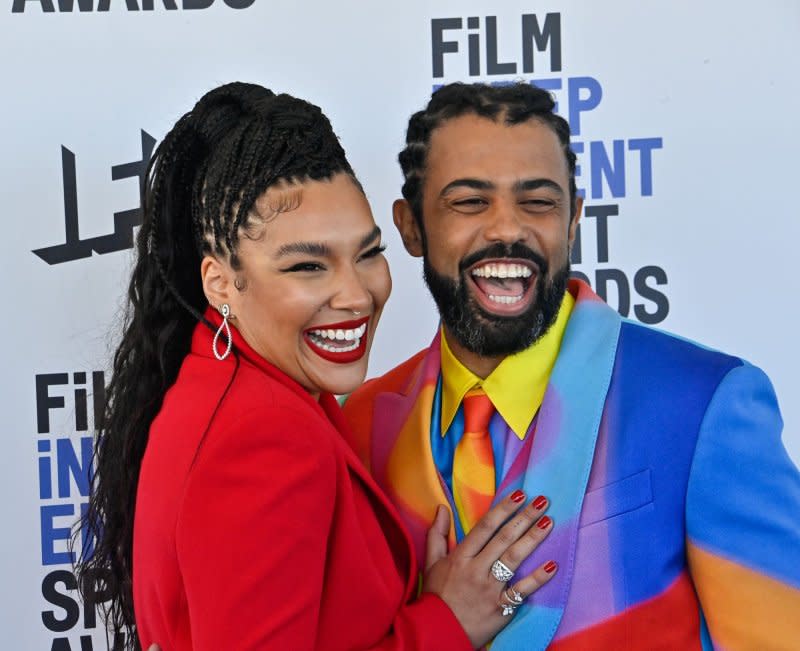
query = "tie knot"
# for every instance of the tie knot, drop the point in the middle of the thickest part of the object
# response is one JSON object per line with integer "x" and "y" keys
{"x": 478, "y": 410}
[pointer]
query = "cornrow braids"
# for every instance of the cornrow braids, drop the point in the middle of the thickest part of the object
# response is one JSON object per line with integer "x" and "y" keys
{"x": 514, "y": 104}
{"x": 198, "y": 198}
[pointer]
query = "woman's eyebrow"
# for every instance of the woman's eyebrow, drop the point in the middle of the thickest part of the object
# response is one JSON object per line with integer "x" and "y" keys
{"x": 321, "y": 249}
{"x": 318, "y": 249}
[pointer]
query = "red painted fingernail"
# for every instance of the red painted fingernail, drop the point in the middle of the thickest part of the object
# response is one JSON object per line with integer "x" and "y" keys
{"x": 517, "y": 496}
{"x": 539, "y": 502}
{"x": 550, "y": 567}
{"x": 544, "y": 522}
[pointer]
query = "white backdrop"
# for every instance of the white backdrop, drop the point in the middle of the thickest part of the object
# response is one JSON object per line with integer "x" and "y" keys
{"x": 697, "y": 101}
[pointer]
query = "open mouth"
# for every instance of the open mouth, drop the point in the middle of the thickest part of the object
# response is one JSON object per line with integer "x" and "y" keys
{"x": 503, "y": 286}
{"x": 342, "y": 343}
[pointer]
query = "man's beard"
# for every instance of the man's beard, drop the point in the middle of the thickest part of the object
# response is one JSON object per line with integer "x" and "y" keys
{"x": 488, "y": 334}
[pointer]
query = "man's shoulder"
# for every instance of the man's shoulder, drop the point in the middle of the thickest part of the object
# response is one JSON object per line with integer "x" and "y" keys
{"x": 641, "y": 349}
{"x": 642, "y": 346}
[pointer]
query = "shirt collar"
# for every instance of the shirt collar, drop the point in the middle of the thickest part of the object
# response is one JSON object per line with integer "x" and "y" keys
{"x": 516, "y": 387}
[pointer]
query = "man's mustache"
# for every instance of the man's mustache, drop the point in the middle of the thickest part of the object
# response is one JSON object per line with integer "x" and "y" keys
{"x": 499, "y": 250}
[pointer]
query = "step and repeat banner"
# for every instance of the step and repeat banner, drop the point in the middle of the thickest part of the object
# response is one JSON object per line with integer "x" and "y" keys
{"x": 684, "y": 119}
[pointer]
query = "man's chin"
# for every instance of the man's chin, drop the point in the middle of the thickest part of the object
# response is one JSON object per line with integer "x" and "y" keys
{"x": 494, "y": 335}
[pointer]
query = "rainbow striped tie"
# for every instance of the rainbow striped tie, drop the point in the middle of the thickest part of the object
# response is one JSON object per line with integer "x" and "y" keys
{"x": 473, "y": 461}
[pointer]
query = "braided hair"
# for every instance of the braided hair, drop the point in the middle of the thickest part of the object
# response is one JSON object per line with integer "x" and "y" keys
{"x": 199, "y": 198}
{"x": 514, "y": 104}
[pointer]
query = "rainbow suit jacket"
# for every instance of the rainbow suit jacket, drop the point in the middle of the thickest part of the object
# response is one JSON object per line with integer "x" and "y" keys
{"x": 676, "y": 506}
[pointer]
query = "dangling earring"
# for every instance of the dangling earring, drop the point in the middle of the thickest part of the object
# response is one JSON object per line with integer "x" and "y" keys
{"x": 225, "y": 311}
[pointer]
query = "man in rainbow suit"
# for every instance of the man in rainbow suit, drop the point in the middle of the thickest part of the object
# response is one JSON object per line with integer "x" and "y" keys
{"x": 676, "y": 508}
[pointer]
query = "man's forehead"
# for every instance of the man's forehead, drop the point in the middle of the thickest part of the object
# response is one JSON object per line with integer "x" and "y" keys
{"x": 473, "y": 127}
{"x": 478, "y": 147}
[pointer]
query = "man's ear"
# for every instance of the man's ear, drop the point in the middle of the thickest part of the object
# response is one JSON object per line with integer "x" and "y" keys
{"x": 573, "y": 225}
{"x": 408, "y": 227}
{"x": 217, "y": 278}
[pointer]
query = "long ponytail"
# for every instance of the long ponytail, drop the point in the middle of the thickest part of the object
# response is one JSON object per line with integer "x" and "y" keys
{"x": 199, "y": 195}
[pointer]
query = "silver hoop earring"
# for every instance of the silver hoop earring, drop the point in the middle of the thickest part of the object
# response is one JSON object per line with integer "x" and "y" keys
{"x": 225, "y": 311}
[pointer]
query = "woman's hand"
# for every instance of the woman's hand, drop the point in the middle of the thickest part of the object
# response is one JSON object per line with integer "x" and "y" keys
{"x": 464, "y": 578}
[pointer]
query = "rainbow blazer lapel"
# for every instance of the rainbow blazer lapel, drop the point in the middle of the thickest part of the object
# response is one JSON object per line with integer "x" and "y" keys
{"x": 400, "y": 455}
{"x": 561, "y": 458}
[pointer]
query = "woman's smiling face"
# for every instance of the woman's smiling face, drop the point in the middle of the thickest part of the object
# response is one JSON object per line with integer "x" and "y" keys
{"x": 313, "y": 284}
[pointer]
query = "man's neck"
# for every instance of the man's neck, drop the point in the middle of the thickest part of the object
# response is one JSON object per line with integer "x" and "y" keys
{"x": 480, "y": 365}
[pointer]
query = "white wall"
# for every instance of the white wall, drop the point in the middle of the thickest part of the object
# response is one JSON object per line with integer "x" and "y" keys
{"x": 717, "y": 85}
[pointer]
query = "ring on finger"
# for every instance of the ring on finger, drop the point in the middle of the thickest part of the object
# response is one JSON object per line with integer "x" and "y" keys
{"x": 510, "y": 602}
{"x": 512, "y": 596}
{"x": 501, "y": 571}
{"x": 507, "y": 609}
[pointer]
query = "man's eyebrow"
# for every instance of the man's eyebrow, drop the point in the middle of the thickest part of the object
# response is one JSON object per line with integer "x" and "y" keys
{"x": 320, "y": 249}
{"x": 474, "y": 184}
{"x": 526, "y": 185}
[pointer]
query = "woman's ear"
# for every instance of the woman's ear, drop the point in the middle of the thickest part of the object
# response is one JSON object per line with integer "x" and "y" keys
{"x": 217, "y": 278}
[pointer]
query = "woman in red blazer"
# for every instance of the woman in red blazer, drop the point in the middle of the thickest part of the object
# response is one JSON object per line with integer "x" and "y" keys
{"x": 255, "y": 526}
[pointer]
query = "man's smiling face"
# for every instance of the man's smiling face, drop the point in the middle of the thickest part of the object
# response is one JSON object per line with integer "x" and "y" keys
{"x": 496, "y": 211}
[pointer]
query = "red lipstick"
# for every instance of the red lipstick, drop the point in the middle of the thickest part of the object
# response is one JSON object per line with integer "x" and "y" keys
{"x": 345, "y": 357}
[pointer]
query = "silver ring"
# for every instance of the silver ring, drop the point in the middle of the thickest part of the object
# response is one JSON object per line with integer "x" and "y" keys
{"x": 501, "y": 572}
{"x": 513, "y": 596}
{"x": 511, "y": 601}
{"x": 507, "y": 609}
{"x": 355, "y": 312}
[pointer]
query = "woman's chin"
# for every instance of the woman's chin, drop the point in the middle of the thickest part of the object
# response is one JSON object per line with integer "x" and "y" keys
{"x": 340, "y": 381}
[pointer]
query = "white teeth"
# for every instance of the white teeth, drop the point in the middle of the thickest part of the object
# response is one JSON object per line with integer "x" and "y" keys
{"x": 353, "y": 335}
{"x": 502, "y": 270}
{"x": 507, "y": 300}
{"x": 338, "y": 349}
{"x": 341, "y": 335}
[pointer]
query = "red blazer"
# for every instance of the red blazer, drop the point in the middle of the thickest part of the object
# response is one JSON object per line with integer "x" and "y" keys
{"x": 257, "y": 527}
